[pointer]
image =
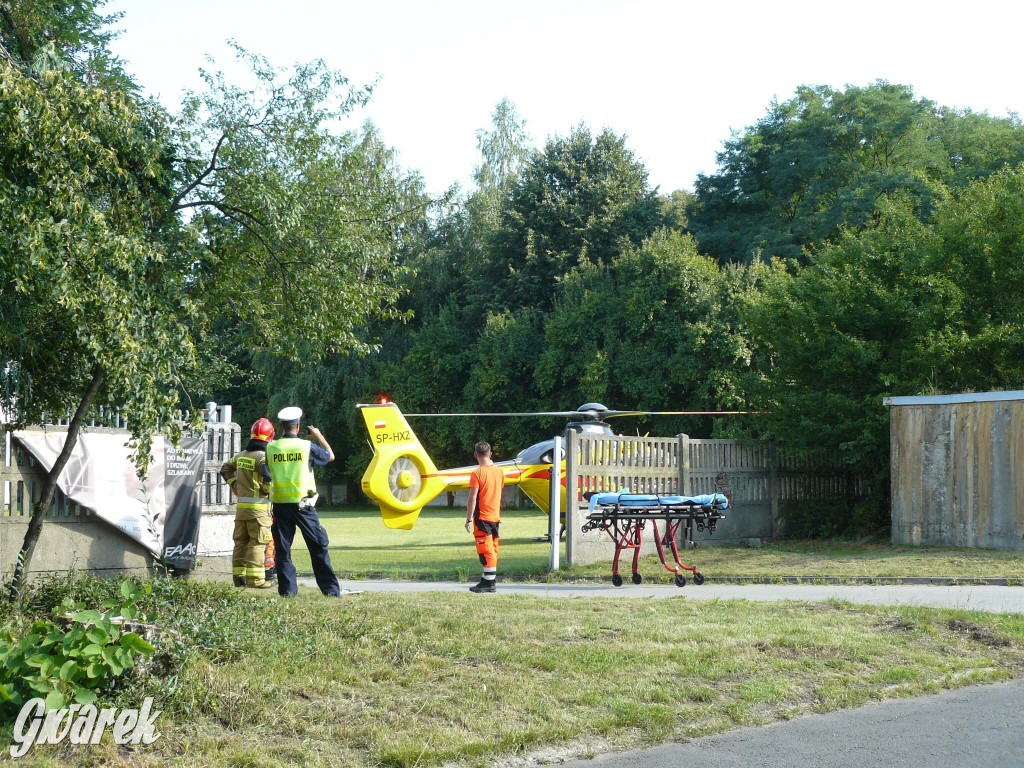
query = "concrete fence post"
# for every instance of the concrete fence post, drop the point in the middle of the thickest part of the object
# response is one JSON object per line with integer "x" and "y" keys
{"x": 554, "y": 502}
{"x": 684, "y": 465}
{"x": 773, "y": 490}
{"x": 573, "y": 525}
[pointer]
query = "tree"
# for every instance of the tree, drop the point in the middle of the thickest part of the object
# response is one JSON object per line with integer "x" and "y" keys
{"x": 981, "y": 237}
{"x": 100, "y": 264}
{"x": 503, "y": 149}
{"x": 300, "y": 231}
{"x": 657, "y": 329}
{"x": 75, "y": 29}
{"x": 911, "y": 306}
{"x": 821, "y": 162}
{"x": 579, "y": 200}
{"x": 96, "y": 305}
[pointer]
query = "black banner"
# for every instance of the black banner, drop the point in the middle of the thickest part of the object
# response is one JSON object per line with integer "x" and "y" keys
{"x": 183, "y": 469}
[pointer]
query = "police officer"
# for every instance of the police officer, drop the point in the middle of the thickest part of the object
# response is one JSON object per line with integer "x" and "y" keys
{"x": 247, "y": 476}
{"x": 293, "y": 493}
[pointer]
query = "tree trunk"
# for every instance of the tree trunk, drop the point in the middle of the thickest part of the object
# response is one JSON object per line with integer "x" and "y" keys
{"x": 35, "y": 524}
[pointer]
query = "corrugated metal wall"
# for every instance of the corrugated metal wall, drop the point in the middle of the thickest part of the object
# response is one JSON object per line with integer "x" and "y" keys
{"x": 958, "y": 473}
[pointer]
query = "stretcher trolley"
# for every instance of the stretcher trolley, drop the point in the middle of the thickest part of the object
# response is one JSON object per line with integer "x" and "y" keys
{"x": 623, "y": 517}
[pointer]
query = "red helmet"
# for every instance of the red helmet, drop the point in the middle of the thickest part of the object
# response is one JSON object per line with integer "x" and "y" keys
{"x": 262, "y": 429}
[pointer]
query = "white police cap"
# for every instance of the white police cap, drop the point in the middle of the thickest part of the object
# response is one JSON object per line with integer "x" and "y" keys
{"x": 291, "y": 413}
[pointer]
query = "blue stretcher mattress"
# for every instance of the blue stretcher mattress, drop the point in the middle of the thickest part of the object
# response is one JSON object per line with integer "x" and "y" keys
{"x": 649, "y": 500}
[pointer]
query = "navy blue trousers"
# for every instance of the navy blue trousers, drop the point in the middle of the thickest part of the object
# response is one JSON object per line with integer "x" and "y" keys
{"x": 288, "y": 517}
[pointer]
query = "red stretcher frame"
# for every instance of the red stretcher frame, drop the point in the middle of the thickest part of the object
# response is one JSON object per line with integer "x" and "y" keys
{"x": 625, "y": 525}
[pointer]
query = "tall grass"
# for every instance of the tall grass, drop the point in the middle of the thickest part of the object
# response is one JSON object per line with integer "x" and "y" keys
{"x": 427, "y": 679}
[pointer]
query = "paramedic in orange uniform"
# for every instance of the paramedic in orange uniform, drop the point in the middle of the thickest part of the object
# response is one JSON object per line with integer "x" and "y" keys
{"x": 484, "y": 514}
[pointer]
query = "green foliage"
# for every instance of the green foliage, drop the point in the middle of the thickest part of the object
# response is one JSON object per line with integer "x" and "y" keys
{"x": 577, "y": 201}
{"x": 981, "y": 236}
{"x": 75, "y": 664}
{"x": 911, "y": 306}
{"x": 89, "y": 282}
{"x": 299, "y": 255}
{"x": 822, "y": 162}
{"x": 188, "y": 621}
{"x": 136, "y": 246}
{"x": 503, "y": 149}
{"x": 657, "y": 329}
{"x": 74, "y": 30}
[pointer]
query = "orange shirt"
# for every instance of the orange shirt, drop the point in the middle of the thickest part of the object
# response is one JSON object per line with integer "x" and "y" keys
{"x": 490, "y": 481}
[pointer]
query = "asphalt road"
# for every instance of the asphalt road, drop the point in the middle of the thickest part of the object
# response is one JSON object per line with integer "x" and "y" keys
{"x": 976, "y": 727}
{"x": 995, "y": 599}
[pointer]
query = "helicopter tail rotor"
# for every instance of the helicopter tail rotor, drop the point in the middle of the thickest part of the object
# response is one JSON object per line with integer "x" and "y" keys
{"x": 401, "y": 478}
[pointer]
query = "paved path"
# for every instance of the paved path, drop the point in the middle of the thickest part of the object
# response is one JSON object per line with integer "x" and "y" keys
{"x": 977, "y": 727}
{"x": 974, "y": 597}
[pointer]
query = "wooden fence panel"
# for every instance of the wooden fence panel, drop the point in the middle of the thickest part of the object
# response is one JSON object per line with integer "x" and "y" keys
{"x": 21, "y": 476}
{"x": 607, "y": 463}
{"x": 758, "y": 480}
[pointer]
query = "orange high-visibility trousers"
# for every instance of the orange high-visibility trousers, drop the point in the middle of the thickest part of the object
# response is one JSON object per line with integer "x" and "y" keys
{"x": 485, "y": 532}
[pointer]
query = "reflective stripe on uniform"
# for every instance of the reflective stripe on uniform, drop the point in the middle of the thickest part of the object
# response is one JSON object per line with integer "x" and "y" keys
{"x": 252, "y": 500}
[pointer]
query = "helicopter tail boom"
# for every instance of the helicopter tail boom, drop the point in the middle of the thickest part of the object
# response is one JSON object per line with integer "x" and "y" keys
{"x": 401, "y": 477}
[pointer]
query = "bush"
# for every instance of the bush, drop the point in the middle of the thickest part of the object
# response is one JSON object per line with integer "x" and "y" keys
{"x": 74, "y": 664}
{"x": 183, "y": 620}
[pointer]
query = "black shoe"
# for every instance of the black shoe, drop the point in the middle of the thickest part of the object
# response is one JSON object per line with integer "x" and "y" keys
{"x": 485, "y": 585}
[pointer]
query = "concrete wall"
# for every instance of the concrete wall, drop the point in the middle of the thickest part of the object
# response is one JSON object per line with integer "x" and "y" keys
{"x": 957, "y": 466}
{"x": 84, "y": 543}
{"x": 88, "y": 543}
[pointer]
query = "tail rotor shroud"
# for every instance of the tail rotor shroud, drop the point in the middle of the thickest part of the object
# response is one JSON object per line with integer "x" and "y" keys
{"x": 405, "y": 479}
{"x": 401, "y": 478}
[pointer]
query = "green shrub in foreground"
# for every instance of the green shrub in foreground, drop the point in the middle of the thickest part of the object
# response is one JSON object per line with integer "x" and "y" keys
{"x": 61, "y": 665}
{"x": 60, "y": 638}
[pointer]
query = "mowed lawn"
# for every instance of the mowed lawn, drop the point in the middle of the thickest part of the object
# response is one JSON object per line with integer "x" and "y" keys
{"x": 438, "y": 548}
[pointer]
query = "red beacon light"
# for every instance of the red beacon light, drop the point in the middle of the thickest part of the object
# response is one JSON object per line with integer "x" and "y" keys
{"x": 384, "y": 400}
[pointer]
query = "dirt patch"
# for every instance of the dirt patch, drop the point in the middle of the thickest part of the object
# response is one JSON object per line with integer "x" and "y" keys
{"x": 789, "y": 652}
{"x": 898, "y": 624}
{"x": 981, "y": 634}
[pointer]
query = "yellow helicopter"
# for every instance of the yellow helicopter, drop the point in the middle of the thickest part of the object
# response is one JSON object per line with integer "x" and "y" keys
{"x": 401, "y": 478}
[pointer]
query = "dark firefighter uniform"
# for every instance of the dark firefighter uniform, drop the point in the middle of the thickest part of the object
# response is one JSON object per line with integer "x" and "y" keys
{"x": 290, "y": 461}
{"x": 252, "y": 517}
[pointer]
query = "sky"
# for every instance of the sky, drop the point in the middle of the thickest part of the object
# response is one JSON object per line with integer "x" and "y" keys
{"x": 674, "y": 77}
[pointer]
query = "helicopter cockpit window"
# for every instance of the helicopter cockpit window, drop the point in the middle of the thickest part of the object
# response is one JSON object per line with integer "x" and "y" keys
{"x": 545, "y": 458}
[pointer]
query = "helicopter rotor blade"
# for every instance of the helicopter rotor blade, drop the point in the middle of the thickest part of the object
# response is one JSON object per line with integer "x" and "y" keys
{"x": 561, "y": 414}
{"x": 614, "y": 414}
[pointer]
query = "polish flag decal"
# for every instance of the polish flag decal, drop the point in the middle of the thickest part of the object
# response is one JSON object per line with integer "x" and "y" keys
{"x": 379, "y": 424}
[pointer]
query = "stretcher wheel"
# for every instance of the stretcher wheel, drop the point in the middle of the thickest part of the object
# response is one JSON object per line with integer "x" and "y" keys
{"x": 681, "y": 580}
{"x": 616, "y": 580}
{"x": 698, "y": 578}
{"x": 638, "y": 579}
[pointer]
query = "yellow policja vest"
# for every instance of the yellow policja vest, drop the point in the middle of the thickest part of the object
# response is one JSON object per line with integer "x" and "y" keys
{"x": 288, "y": 461}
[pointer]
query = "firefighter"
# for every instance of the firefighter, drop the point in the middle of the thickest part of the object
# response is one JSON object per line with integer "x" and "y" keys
{"x": 247, "y": 475}
{"x": 293, "y": 492}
